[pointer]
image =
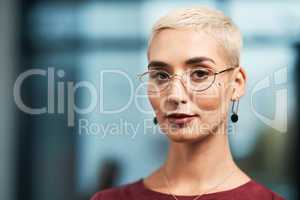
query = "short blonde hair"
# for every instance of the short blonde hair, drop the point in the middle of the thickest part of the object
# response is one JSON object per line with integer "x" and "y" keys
{"x": 213, "y": 22}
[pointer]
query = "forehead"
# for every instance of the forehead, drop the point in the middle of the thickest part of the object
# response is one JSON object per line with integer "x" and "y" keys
{"x": 176, "y": 46}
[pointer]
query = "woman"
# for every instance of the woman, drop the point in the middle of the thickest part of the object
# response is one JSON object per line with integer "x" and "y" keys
{"x": 193, "y": 75}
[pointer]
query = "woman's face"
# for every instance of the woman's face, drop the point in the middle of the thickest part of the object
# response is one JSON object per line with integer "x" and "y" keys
{"x": 184, "y": 114}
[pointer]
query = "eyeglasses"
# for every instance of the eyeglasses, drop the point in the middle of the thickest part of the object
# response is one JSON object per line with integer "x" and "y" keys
{"x": 197, "y": 79}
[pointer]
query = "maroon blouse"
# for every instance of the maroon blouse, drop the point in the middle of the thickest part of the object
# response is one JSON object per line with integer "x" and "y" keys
{"x": 138, "y": 191}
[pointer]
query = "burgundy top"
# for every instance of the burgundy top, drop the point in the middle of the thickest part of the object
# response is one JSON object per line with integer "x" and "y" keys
{"x": 138, "y": 191}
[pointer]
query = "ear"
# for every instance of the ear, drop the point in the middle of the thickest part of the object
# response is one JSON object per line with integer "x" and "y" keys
{"x": 239, "y": 83}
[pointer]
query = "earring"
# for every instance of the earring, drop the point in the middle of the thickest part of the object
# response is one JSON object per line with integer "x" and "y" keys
{"x": 155, "y": 120}
{"x": 234, "y": 116}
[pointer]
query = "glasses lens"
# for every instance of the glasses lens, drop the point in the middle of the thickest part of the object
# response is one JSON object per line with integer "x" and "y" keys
{"x": 156, "y": 80}
{"x": 200, "y": 79}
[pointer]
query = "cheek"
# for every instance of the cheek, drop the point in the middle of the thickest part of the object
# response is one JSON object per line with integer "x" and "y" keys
{"x": 209, "y": 100}
{"x": 208, "y": 103}
{"x": 154, "y": 101}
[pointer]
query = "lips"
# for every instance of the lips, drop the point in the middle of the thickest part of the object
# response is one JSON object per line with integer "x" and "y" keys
{"x": 180, "y": 118}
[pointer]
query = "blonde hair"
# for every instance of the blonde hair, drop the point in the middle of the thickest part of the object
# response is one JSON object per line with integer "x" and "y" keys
{"x": 213, "y": 22}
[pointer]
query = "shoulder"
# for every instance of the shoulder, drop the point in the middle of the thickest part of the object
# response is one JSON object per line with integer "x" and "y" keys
{"x": 117, "y": 192}
{"x": 256, "y": 190}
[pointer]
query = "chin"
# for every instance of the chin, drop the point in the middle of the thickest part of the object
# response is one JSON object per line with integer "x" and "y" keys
{"x": 185, "y": 136}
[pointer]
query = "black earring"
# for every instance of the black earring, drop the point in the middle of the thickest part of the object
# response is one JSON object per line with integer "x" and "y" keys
{"x": 155, "y": 120}
{"x": 234, "y": 116}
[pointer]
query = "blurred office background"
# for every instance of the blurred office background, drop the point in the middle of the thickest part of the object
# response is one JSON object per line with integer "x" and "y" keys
{"x": 43, "y": 158}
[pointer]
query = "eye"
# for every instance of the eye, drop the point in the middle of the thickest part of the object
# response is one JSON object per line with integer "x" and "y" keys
{"x": 159, "y": 75}
{"x": 199, "y": 74}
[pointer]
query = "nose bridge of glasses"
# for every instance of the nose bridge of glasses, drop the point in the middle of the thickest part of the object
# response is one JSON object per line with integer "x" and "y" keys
{"x": 181, "y": 77}
{"x": 174, "y": 87}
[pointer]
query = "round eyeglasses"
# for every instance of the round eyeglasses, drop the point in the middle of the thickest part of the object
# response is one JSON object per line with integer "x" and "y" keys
{"x": 196, "y": 79}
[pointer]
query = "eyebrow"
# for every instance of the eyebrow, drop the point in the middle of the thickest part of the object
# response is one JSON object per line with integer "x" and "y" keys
{"x": 190, "y": 61}
{"x": 158, "y": 64}
{"x": 200, "y": 59}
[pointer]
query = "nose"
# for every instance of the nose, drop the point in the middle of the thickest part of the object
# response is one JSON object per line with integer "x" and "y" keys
{"x": 177, "y": 94}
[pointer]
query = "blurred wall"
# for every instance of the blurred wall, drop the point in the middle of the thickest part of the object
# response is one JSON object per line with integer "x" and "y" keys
{"x": 7, "y": 62}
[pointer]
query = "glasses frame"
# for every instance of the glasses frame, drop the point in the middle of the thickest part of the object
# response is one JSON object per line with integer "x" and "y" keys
{"x": 139, "y": 76}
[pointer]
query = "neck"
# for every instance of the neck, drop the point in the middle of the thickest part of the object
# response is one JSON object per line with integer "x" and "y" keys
{"x": 203, "y": 163}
